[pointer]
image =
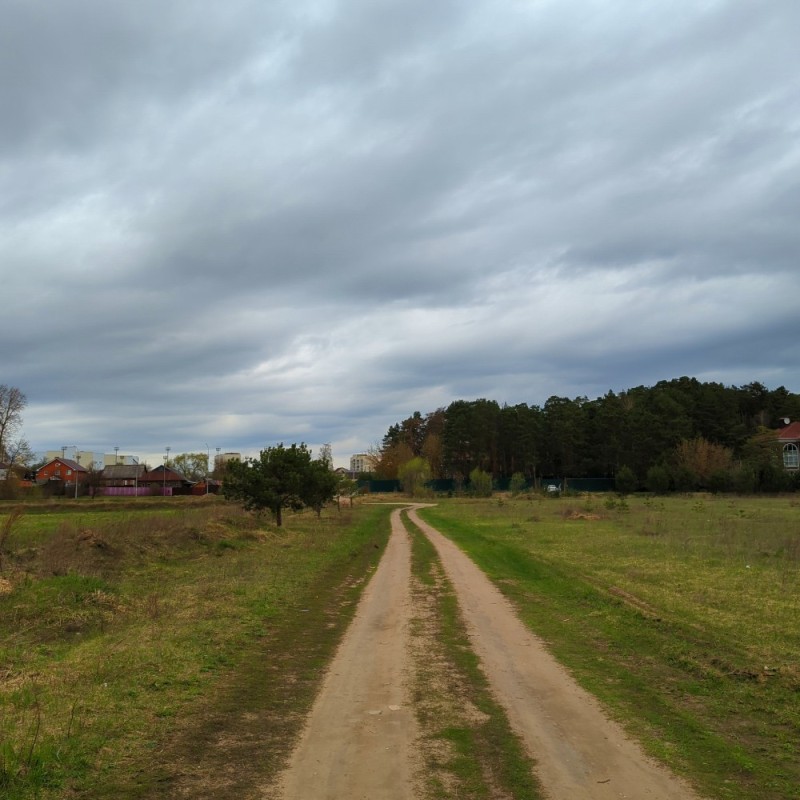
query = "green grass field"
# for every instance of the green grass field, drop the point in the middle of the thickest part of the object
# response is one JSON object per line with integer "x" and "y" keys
{"x": 128, "y": 631}
{"x": 681, "y": 614}
{"x": 147, "y": 647}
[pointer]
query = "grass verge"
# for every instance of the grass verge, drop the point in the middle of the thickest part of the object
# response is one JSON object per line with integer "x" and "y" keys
{"x": 468, "y": 747}
{"x": 680, "y": 615}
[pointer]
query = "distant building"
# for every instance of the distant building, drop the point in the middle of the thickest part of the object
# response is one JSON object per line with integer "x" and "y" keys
{"x": 207, "y": 487}
{"x": 165, "y": 480}
{"x": 64, "y": 452}
{"x": 221, "y": 459}
{"x": 119, "y": 459}
{"x": 62, "y": 469}
{"x": 86, "y": 458}
{"x": 90, "y": 460}
{"x": 362, "y": 462}
{"x": 122, "y": 475}
{"x": 789, "y": 437}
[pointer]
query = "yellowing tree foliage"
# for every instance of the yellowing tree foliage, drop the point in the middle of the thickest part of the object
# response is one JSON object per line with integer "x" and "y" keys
{"x": 392, "y": 458}
{"x": 413, "y": 475}
{"x": 703, "y": 459}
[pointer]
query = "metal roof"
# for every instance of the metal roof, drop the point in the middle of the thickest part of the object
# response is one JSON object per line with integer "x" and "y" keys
{"x": 790, "y": 433}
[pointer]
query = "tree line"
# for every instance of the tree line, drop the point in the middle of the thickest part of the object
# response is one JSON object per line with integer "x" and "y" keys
{"x": 680, "y": 434}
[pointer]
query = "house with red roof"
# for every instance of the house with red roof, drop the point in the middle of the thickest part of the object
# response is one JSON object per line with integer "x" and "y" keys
{"x": 165, "y": 480}
{"x": 789, "y": 438}
{"x": 62, "y": 469}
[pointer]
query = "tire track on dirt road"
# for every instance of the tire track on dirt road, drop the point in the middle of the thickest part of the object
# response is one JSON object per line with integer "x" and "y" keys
{"x": 357, "y": 743}
{"x": 360, "y": 737}
{"x": 580, "y": 753}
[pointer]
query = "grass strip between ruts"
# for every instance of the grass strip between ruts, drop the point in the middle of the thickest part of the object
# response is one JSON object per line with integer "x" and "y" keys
{"x": 468, "y": 746}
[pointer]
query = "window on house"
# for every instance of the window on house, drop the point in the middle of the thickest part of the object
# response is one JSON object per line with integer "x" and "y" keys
{"x": 791, "y": 456}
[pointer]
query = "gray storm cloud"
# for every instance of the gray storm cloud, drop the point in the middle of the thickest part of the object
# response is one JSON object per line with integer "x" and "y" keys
{"x": 264, "y": 222}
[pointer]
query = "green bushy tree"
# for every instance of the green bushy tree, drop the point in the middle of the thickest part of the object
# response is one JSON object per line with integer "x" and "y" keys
{"x": 413, "y": 475}
{"x": 657, "y": 480}
{"x": 272, "y": 482}
{"x": 517, "y": 484}
{"x": 480, "y": 483}
{"x": 319, "y": 486}
{"x": 346, "y": 487}
{"x": 625, "y": 480}
{"x": 721, "y": 481}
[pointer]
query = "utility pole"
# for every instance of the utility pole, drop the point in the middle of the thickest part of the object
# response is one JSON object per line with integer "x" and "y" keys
{"x": 166, "y": 461}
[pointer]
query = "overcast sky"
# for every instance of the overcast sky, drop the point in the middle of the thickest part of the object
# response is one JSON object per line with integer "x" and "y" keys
{"x": 234, "y": 224}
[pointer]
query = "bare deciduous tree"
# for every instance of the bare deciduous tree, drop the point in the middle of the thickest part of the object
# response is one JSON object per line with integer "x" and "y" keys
{"x": 17, "y": 452}
{"x": 12, "y": 403}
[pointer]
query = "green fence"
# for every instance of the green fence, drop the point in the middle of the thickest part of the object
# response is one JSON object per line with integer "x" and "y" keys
{"x": 452, "y": 486}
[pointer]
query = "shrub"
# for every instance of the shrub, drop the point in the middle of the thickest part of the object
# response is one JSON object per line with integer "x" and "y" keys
{"x": 720, "y": 481}
{"x": 480, "y": 483}
{"x": 773, "y": 478}
{"x": 517, "y": 484}
{"x": 703, "y": 459}
{"x": 743, "y": 479}
{"x": 625, "y": 480}
{"x": 413, "y": 475}
{"x": 657, "y": 480}
{"x": 683, "y": 480}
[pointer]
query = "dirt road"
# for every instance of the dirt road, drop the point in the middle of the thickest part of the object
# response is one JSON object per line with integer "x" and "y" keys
{"x": 359, "y": 741}
{"x": 360, "y": 733}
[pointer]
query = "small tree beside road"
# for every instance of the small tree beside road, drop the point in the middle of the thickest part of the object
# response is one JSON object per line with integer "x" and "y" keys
{"x": 320, "y": 485}
{"x": 346, "y": 487}
{"x": 281, "y": 477}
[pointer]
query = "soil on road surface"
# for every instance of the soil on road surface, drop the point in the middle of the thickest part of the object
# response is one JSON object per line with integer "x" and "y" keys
{"x": 360, "y": 737}
{"x": 361, "y": 730}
